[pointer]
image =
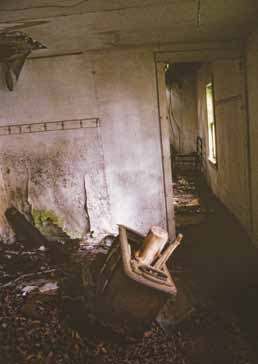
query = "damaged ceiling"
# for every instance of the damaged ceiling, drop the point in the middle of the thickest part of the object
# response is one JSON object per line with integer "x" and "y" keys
{"x": 15, "y": 47}
{"x": 81, "y": 25}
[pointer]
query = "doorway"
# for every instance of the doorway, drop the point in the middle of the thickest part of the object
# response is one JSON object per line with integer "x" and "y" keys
{"x": 193, "y": 73}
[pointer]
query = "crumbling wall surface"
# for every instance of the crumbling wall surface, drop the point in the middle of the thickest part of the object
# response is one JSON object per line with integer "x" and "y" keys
{"x": 91, "y": 178}
{"x": 55, "y": 177}
{"x": 181, "y": 101}
{"x": 252, "y": 80}
{"x": 229, "y": 178}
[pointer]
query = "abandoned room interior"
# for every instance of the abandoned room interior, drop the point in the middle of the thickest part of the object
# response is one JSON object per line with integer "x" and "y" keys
{"x": 128, "y": 181}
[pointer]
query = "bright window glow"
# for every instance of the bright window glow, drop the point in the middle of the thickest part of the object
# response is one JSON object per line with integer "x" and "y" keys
{"x": 211, "y": 122}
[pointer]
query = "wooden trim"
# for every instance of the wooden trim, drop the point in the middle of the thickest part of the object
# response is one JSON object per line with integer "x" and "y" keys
{"x": 199, "y": 54}
{"x": 165, "y": 149}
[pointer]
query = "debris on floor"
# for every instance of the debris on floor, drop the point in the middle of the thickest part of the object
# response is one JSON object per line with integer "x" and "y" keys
{"x": 46, "y": 314}
{"x": 124, "y": 293}
{"x": 34, "y": 331}
{"x": 189, "y": 209}
{"x": 51, "y": 314}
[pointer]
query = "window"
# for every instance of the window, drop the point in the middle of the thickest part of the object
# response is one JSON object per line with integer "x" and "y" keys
{"x": 211, "y": 122}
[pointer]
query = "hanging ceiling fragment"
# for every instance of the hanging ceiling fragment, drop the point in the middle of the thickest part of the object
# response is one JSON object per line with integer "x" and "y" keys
{"x": 15, "y": 47}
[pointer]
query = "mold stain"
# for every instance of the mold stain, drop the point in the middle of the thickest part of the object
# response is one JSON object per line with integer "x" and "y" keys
{"x": 44, "y": 216}
{"x": 49, "y": 223}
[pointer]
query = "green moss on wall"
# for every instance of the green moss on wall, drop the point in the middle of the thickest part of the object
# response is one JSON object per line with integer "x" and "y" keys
{"x": 41, "y": 217}
{"x": 50, "y": 224}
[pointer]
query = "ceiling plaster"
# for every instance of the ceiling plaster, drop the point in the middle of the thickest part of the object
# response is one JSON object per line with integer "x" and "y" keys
{"x": 82, "y": 25}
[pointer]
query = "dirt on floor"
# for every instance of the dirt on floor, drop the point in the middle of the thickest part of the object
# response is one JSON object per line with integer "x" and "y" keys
{"x": 215, "y": 267}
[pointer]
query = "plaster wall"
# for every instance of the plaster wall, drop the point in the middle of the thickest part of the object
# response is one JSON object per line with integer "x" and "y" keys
{"x": 252, "y": 83}
{"x": 229, "y": 178}
{"x": 183, "y": 114}
{"x": 91, "y": 178}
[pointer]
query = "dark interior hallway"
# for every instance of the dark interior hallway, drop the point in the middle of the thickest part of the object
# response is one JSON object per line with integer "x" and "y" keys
{"x": 216, "y": 267}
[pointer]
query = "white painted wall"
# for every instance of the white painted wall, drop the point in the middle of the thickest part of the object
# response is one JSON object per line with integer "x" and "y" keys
{"x": 229, "y": 180}
{"x": 119, "y": 162}
{"x": 252, "y": 80}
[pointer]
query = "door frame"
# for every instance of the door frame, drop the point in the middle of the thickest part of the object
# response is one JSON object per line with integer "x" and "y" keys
{"x": 196, "y": 52}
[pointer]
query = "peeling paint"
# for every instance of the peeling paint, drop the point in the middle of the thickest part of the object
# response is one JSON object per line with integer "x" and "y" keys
{"x": 52, "y": 189}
